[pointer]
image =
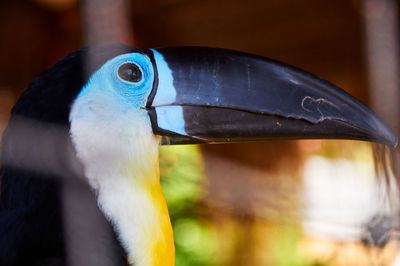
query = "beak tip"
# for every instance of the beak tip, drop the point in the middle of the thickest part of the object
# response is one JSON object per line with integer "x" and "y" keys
{"x": 387, "y": 137}
{"x": 394, "y": 141}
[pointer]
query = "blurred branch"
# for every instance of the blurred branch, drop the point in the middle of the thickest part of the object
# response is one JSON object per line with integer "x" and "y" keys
{"x": 381, "y": 24}
{"x": 106, "y": 21}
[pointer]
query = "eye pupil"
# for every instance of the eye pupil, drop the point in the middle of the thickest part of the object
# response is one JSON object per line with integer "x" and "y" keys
{"x": 130, "y": 72}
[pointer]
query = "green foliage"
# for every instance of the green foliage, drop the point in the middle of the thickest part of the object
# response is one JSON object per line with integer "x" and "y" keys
{"x": 286, "y": 248}
{"x": 181, "y": 178}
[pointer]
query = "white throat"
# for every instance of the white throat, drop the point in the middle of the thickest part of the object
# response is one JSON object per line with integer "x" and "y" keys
{"x": 120, "y": 158}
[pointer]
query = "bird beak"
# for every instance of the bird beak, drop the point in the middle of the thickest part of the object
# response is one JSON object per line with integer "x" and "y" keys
{"x": 203, "y": 95}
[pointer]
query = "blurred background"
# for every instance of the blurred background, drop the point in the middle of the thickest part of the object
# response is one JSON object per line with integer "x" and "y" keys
{"x": 265, "y": 203}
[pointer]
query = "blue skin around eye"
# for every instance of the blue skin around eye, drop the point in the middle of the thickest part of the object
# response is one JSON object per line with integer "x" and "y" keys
{"x": 126, "y": 95}
{"x": 106, "y": 81}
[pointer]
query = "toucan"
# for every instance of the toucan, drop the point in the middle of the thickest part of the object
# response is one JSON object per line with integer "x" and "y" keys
{"x": 108, "y": 108}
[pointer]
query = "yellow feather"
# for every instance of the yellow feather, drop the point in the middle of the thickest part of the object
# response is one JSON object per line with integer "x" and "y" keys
{"x": 162, "y": 248}
{"x": 157, "y": 240}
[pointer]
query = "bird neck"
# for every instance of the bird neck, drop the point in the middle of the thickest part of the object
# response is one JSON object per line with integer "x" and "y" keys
{"x": 134, "y": 202}
{"x": 120, "y": 157}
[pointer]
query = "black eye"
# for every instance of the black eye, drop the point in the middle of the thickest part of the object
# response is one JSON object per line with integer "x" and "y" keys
{"x": 130, "y": 72}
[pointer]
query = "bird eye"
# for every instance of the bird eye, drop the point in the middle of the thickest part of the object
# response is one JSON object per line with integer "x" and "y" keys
{"x": 130, "y": 72}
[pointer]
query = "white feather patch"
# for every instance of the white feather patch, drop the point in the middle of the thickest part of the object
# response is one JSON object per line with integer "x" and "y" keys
{"x": 120, "y": 157}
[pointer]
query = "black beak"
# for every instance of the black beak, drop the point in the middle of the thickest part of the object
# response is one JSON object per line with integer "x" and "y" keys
{"x": 216, "y": 95}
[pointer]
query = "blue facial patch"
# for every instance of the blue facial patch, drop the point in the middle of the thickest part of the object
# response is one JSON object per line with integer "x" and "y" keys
{"x": 110, "y": 81}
